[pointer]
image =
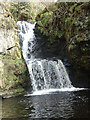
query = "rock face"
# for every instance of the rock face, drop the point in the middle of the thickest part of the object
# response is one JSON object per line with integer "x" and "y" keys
{"x": 13, "y": 70}
{"x": 69, "y": 21}
{"x": 9, "y": 42}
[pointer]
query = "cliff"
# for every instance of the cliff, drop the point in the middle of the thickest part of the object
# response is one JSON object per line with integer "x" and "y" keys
{"x": 13, "y": 70}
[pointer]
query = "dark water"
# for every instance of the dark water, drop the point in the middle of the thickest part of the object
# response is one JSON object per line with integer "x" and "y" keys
{"x": 57, "y": 105}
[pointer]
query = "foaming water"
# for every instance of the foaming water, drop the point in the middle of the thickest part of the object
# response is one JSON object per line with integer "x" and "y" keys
{"x": 27, "y": 38}
{"x": 51, "y": 91}
{"x": 48, "y": 74}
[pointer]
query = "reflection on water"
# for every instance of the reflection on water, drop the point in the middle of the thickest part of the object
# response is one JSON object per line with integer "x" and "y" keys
{"x": 56, "y": 105}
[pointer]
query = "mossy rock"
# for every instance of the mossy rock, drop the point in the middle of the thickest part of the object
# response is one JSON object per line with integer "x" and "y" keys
{"x": 14, "y": 72}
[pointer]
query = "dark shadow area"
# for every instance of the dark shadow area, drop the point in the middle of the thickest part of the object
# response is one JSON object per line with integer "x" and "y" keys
{"x": 46, "y": 50}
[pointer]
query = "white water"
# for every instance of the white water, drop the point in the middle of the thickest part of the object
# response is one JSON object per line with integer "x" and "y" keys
{"x": 46, "y": 75}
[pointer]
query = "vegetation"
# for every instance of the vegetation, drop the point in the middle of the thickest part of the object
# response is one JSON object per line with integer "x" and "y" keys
{"x": 69, "y": 20}
{"x": 26, "y": 11}
{"x": 20, "y": 10}
{"x": 13, "y": 70}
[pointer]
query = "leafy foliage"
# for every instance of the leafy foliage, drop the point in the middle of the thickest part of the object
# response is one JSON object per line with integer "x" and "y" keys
{"x": 20, "y": 10}
{"x": 69, "y": 20}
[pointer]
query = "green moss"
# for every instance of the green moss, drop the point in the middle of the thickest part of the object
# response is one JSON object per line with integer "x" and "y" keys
{"x": 18, "y": 90}
{"x": 14, "y": 72}
{"x": 5, "y": 57}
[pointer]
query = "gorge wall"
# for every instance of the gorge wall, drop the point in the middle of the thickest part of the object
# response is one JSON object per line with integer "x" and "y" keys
{"x": 13, "y": 70}
{"x": 69, "y": 21}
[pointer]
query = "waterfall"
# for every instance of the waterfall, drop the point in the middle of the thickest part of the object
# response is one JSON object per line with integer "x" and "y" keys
{"x": 45, "y": 74}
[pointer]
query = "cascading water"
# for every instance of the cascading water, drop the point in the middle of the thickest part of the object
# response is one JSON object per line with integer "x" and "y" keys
{"x": 46, "y": 75}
